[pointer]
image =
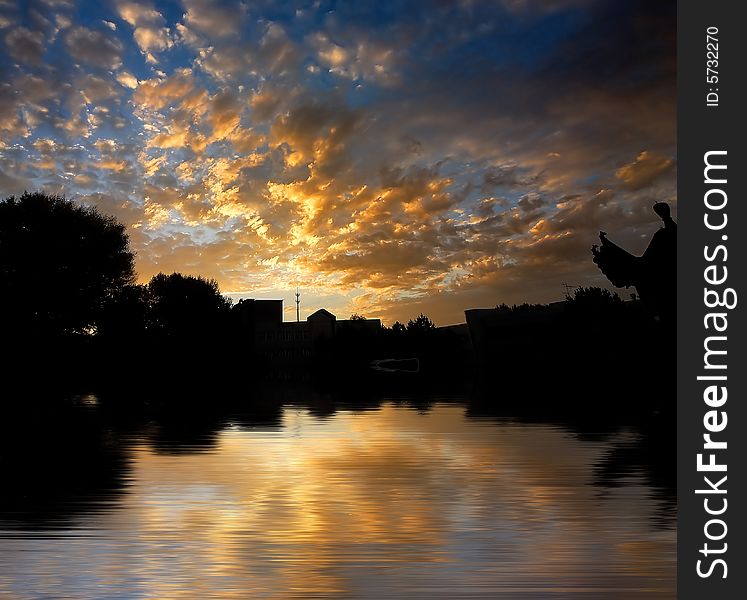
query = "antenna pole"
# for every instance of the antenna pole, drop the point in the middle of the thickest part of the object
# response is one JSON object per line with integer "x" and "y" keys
{"x": 298, "y": 306}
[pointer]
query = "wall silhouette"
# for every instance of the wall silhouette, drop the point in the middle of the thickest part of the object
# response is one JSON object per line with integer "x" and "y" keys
{"x": 593, "y": 350}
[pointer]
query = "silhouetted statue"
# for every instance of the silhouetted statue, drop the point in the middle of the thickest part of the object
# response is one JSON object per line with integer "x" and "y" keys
{"x": 654, "y": 274}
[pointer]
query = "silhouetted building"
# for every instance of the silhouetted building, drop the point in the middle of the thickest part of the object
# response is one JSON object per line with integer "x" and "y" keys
{"x": 458, "y": 337}
{"x": 357, "y": 326}
{"x": 281, "y": 344}
{"x": 260, "y": 313}
{"x": 288, "y": 346}
{"x": 501, "y": 336}
{"x": 322, "y": 324}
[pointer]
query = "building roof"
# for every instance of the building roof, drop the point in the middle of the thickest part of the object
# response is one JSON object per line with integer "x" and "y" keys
{"x": 322, "y": 312}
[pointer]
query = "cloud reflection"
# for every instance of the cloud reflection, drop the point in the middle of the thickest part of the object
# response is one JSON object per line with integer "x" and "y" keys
{"x": 364, "y": 505}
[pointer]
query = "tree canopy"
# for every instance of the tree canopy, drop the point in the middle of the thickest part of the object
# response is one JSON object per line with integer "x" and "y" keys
{"x": 181, "y": 305}
{"x": 60, "y": 264}
{"x": 420, "y": 324}
{"x": 398, "y": 327}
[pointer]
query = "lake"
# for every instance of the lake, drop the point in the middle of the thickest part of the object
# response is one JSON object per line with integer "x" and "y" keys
{"x": 401, "y": 500}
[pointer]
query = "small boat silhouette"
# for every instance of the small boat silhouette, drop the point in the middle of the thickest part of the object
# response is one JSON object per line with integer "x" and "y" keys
{"x": 396, "y": 365}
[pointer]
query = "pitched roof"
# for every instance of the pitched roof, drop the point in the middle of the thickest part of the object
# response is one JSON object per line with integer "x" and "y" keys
{"x": 322, "y": 312}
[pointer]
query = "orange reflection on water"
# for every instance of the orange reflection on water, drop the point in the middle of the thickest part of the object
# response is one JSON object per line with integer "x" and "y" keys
{"x": 383, "y": 503}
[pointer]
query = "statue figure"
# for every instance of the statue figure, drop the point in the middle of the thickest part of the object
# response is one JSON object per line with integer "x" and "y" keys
{"x": 654, "y": 274}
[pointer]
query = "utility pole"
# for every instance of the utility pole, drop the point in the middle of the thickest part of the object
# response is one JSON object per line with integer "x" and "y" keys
{"x": 298, "y": 306}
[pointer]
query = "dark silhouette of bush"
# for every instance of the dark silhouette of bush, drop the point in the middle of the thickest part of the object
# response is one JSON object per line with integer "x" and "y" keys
{"x": 592, "y": 298}
{"x": 60, "y": 264}
{"x": 598, "y": 311}
{"x": 524, "y": 307}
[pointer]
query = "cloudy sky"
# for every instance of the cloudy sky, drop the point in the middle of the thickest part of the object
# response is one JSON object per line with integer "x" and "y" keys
{"x": 387, "y": 157}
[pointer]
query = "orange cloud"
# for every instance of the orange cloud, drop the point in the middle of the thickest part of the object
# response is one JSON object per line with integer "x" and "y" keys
{"x": 646, "y": 167}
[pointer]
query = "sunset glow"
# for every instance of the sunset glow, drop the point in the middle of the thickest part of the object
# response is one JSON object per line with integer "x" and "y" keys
{"x": 422, "y": 156}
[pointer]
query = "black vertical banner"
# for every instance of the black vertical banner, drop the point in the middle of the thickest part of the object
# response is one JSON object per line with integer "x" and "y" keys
{"x": 712, "y": 261}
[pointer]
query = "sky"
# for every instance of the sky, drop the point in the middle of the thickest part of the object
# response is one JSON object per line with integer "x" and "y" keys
{"x": 386, "y": 158}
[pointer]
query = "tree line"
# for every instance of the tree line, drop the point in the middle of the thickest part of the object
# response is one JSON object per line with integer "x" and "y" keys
{"x": 70, "y": 301}
{"x": 66, "y": 269}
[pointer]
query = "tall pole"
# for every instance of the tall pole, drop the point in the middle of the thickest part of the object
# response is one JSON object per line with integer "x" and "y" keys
{"x": 298, "y": 306}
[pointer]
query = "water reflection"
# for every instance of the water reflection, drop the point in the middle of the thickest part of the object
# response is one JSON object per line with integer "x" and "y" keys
{"x": 392, "y": 501}
{"x": 58, "y": 463}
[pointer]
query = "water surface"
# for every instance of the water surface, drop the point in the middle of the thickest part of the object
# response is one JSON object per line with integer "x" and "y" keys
{"x": 388, "y": 502}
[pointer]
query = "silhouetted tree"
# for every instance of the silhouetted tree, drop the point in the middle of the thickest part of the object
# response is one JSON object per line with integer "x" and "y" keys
{"x": 60, "y": 264}
{"x": 185, "y": 306}
{"x": 420, "y": 324}
{"x": 398, "y": 327}
{"x": 124, "y": 316}
{"x": 357, "y": 317}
